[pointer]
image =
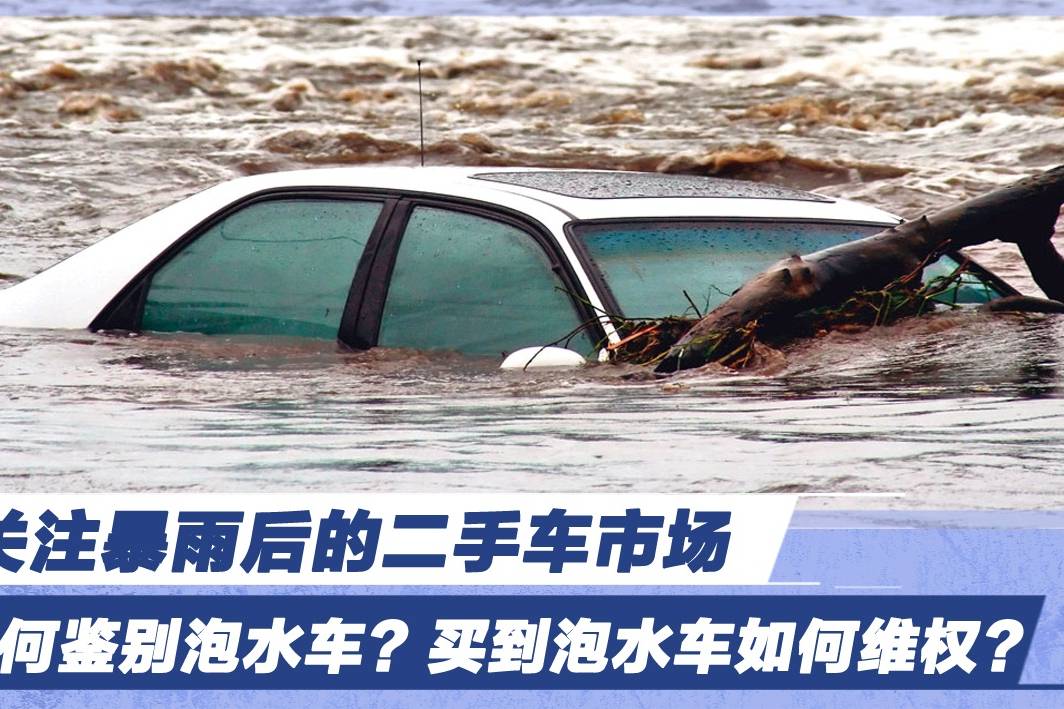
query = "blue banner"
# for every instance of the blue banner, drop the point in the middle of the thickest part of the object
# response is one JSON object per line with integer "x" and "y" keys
{"x": 515, "y": 642}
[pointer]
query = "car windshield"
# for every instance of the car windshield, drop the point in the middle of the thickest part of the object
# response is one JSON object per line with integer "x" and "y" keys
{"x": 653, "y": 268}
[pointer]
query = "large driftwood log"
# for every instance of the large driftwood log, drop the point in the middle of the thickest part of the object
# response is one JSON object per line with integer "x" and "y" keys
{"x": 1024, "y": 213}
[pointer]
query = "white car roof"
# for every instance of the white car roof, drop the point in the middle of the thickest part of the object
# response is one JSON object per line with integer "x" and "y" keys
{"x": 584, "y": 194}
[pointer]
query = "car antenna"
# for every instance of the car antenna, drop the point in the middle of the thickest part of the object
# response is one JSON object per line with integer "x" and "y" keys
{"x": 421, "y": 112}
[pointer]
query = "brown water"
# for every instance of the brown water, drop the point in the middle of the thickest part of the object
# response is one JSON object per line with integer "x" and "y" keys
{"x": 103, "y": 121}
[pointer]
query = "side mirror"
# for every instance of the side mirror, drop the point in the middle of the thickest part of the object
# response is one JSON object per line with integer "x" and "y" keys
{"x": 542, "y": 358}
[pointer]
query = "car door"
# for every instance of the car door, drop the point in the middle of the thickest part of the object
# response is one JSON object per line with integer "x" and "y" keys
{"x": 471, "y": 279}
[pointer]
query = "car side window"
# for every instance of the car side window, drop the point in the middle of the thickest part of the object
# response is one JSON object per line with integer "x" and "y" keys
{"x": 279, "y": 267}
{"x": 472, "y": 284}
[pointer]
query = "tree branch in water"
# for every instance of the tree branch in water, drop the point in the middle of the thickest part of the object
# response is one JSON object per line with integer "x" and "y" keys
{"x": 890, "y": 262}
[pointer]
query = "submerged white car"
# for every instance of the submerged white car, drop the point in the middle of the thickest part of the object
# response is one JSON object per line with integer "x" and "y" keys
{"x": 481, "y": 261}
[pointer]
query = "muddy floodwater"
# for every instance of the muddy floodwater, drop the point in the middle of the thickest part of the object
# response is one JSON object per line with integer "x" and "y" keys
{"x": 103, "y": 121}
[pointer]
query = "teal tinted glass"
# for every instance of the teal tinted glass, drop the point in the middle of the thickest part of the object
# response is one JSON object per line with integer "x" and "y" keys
{"x": 649, "y": 266}
{"x": 281, "y": 267}
{"x": 474, "y": 285}
{"x": 966, "y": 288}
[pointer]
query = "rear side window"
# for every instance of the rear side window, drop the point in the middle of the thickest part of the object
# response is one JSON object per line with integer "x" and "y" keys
{"x": 475, "y": 285}
{"x": 281, "y": 267}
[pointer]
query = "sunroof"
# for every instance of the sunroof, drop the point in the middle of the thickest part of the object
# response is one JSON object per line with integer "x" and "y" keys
{"x": 586, "y": 184}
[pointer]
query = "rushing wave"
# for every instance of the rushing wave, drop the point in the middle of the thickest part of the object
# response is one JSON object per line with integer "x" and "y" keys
{"x": 321, "y": 8}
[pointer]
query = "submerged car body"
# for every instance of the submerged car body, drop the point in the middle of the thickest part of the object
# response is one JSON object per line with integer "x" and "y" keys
{"x": 482, "y": 261}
